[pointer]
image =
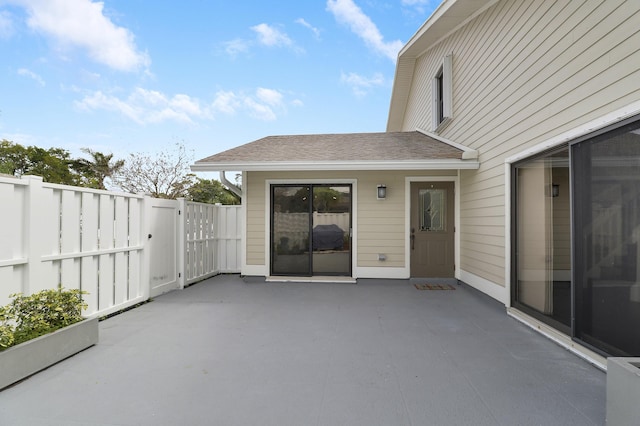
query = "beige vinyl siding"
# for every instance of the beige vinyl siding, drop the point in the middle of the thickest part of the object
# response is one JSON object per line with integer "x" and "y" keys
{"x": 381, "y": 224}
{"x": 256, "y": 221}
{"x": 523, "y": 72}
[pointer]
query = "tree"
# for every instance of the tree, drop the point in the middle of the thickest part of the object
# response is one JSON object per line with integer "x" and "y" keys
{"x": 98, "y": 168}
{"x": 211, "y": 191}
{"x": 55, "y": 165}
{"x": 163, "y": 175}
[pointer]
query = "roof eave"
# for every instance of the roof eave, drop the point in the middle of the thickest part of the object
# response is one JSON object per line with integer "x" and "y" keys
{"x": 448, "y": 17}
{"x": 257, "y": 166}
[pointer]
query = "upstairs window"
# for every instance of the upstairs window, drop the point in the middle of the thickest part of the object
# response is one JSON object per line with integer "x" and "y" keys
{"x": 442, "y": 94}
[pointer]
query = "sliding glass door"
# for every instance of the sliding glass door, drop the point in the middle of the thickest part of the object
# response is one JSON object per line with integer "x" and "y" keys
{"x": 543, "y": 243}
{"x": 311, "y": 230}
{"x": 290, "y": 230}
{"x": 576, "y": 216}
{"x": 607, "y": 227}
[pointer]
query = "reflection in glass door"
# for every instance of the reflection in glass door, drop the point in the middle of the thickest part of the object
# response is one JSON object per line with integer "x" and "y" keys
{"x": 331, "y": 230}
{"x": 543, "y": 239}
{"x": 311, "y": 230}
{"x": 290, "y": 230}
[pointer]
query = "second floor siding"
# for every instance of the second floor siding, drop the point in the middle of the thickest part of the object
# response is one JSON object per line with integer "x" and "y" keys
{"x": 523, "y": 72}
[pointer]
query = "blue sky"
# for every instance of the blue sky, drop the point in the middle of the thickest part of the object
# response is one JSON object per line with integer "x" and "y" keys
{"x": 126, "y": 76}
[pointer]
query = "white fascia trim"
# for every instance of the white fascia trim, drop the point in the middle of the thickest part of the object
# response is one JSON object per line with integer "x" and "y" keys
{"x": 435, "y": 15}
{"x": 467, "y": 153}
{"x": 588, "y": 127}
{"x": 455, "y": 23}
{"x": 449, "y": 164}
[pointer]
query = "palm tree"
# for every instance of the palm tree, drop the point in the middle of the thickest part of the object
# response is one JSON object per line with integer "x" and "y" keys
{"x": 99, "y": 167}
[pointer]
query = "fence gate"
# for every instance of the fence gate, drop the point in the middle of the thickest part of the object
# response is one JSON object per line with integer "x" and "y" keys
{"x": 162, "y": 220}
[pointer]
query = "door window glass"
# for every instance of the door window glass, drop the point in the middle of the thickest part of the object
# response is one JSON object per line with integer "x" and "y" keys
{"x": 433, "y": 209}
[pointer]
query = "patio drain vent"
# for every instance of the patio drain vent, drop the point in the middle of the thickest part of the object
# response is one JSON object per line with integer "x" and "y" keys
{"x": 435, "y": 287}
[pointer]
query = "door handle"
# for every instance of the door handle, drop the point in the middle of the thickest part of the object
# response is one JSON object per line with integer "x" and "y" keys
{"x": 413, "y": 238}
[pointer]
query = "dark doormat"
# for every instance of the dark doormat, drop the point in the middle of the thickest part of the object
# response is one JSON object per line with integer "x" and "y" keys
{"x": 435, "y": 287}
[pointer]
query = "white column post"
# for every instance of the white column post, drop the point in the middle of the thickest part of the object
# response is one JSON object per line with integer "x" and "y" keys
{"x": 146, "y": 250}
{"x": 34, "y": 233}
{"x": 181, "y": 241}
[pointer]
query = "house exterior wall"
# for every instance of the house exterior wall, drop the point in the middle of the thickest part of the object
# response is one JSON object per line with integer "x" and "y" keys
{"x": 524, "y": 72}
{"x": 379, "y": 225}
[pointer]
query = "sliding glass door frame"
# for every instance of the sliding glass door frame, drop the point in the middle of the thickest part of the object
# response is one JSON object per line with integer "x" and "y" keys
{"x": 308, "y": 248}
{"x": 580, "y": 220}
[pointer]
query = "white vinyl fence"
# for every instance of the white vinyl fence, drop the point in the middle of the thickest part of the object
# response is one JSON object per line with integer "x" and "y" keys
{"x": 120, "y": 248}
{"x": 212, "y": 240}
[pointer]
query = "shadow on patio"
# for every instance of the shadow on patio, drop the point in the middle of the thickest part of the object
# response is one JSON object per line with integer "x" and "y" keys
{"x": 233, "y": 352}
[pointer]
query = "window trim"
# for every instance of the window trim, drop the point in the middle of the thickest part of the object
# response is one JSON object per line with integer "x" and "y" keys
{"x": 442, "y": 94}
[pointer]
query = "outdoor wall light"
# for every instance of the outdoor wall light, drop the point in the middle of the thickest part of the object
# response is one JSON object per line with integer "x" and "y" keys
{"x": 555, "y": 190}
{"x": 382, "y": 192}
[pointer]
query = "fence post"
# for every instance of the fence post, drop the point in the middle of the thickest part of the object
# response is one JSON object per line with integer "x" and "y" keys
{"x": 34, "y": 233}
{"x": 181, "y": 241}
{"x": 146, "y": 255}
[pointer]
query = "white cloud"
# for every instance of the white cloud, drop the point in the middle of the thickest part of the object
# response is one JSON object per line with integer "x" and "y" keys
{"x": 269, "y": 96}
{"x": 82, "y": 24}
{"x": 314, "y": 30}
{"x": 348, "y": 13}
{"x": 147, "y": 106}
{"x": 32, "y": 75}
{"x": 233, "y": 47}
{"x": 226, "y": 102}
{"x": 270, "y": 36}
{"x": 99, "y": 100}
{"x": 6, "y": 24}
{"x": 260, "y": 111}
{"x": 24, "y": 139}
{"x": 150, "y": 106}
{"x": 90, "y": 75}
{"x": 362, "y": 85}
{"x": 265, "y": 35}
{"x": 421, "y": 6}
{"x": 264, "y": 104}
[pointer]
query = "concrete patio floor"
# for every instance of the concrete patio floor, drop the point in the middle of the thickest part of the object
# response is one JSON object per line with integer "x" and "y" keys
{"x": 232, "y": 352}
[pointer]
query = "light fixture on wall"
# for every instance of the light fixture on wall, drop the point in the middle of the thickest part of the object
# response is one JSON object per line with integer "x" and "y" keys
{"x": 382, "y": 192}
{"x": 555, "y": 190}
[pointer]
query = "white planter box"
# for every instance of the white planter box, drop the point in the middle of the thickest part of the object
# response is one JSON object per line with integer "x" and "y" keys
{"x": 29, "y": 357}
{"x": 623, "y": 391}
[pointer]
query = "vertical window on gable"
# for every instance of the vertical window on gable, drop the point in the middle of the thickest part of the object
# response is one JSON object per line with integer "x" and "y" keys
{"x": 442, "y": 93}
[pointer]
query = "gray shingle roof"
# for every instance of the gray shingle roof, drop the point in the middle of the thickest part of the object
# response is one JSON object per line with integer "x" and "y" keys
{"x": 394, "y": 146}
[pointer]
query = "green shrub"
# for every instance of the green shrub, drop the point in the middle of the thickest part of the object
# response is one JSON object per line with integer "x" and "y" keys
{"x": 28, "y": 317}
